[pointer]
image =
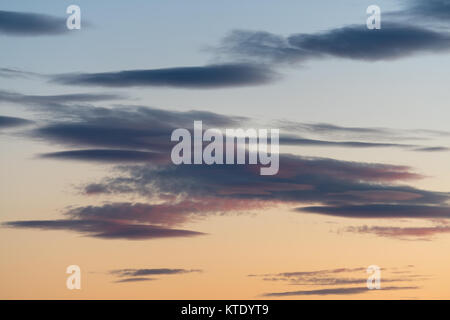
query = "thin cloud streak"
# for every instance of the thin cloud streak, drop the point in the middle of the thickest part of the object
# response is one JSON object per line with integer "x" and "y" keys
{"x": 199, "y": 77}
{"x": 335, "y": 291}
{"x": 104, "y": 229}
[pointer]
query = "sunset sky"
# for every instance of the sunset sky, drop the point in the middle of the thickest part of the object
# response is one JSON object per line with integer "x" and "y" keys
{"x": 86, "y": 118}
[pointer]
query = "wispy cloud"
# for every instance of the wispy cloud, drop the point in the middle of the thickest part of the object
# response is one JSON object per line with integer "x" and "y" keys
{"x": 383, "y": 211}
{"x": 141, "y": 279}
{"x": 403, "y": 233}
{"x": 335, "y": 291}
{"x": 340, "y": 280}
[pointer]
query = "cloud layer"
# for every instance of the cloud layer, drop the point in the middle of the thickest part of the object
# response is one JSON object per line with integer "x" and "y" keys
{"x": 137, "y": 139}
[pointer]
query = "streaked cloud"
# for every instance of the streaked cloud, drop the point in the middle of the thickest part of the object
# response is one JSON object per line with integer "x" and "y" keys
{"x": 340, "y": 281}
{"x": 430, "y": 10}
{"x": 198, "y": 77}
{"x": 52, "y": 100}
{"x": 383, "y": 211}
{"x": 142, "y": 275}
{"x": 151, "y": 272}
{"x": 137, "y": 279}
{"x": 403, "y": 233}
{"x": 108, "y": 155}
{"x": 104, "y": 229}
{"x": 336, "y": 291}
{"x": 30, "y": 24}
{"x": 8, "y": 122}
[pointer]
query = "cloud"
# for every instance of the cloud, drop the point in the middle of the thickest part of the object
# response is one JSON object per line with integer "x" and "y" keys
{"x": 15, "y": 73}
{"x": 427, "y": 9}
{"x": 104, "y": 229}
{"x": 292, "y": 140}
{"x": 403, "y": 233}
{"x": 151, "y": 272}
{"x": 354, "y": 42}
{"x": 432, "y": 149}
{"x": 30, "y": 24}
{"x": 142, "y": 279}
{"x": 138, "y": 140}
{"x": 329, "y": 130}
{"x": 8, "y": 122}
{"x": 300, "y": 180}
{"x": 45, "y": 100}
{"x": 382, "y": 211}
{"x": 339, "y": 277}
{"x": 297, "y": 274}
{"x": 169, "y": 213}
{"x": 140, "y": 275}
{"x": 335, "y": 291}
{"x": 108, "y": 155}
{"x": 150, "y": 128}
{"x": 138, "y": 221}
{"x": 199, "y": 77}
{"x": 392, "y": 41}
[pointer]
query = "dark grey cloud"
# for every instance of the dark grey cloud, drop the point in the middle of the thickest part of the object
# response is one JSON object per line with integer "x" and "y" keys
{"x": 150, "y": 272}
{"x": 8, "y": 122}
{"x": 168, "y": 213}
{"x": 55, "y": 100}
{"x": 427, "y": 9}
{"x": 140, "y": 275}
{"x": 392, "y": 41}
{"x": 432, "y": 149}
{"x": 300, "y": 179}
{"x": 104, "y": 229}
{"x": 16, "y": 73}
{"x": 199, "y": 77}
{"x": 124, "y": 127}
{"x": 30, "y": 24}
{"x": 354, "y": 42}
{"x": 108, "y": 155}
{"x": 297, "y": 274}
{"x": 135, "y": 221}
{"x": 383, "y": 211}
{"x": 335, "y": 291}
{"x": 141, "y": 279}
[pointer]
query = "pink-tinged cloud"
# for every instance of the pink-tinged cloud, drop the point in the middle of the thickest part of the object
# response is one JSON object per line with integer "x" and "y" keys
{"x": 406, "y": 233}
{"x": 166, "y": 213}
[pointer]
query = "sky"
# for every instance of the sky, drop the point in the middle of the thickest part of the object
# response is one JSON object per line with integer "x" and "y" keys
{"x": 86, "y": 117}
